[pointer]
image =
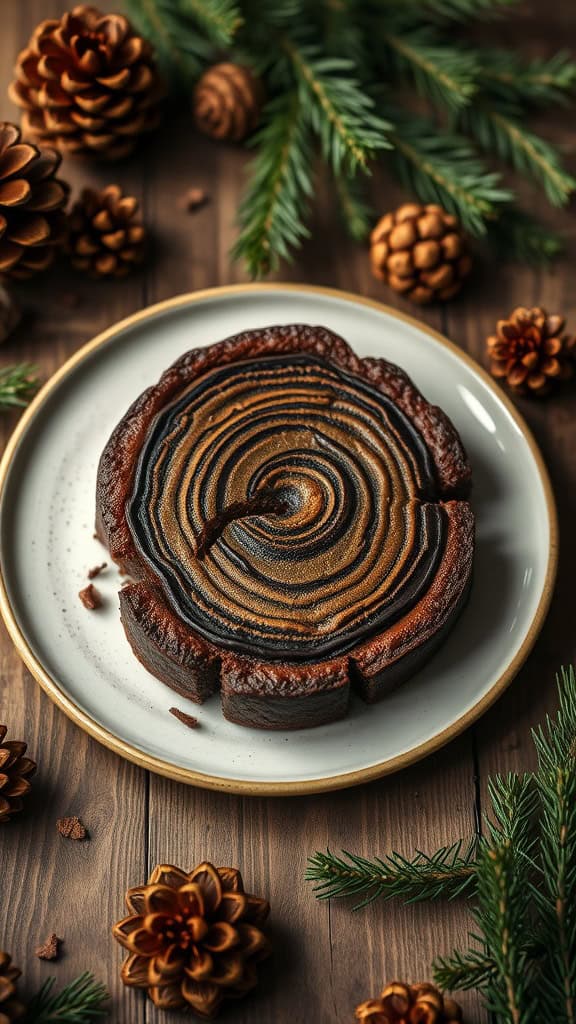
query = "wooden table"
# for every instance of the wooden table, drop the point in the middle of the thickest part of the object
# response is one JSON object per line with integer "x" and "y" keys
{"x": 327, "y": 958}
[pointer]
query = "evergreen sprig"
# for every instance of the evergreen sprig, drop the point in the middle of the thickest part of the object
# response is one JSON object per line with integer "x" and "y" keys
{"x": 357, "y": 68}
{"x": 82, "y": 1001}
{"x": 18, "y": 384}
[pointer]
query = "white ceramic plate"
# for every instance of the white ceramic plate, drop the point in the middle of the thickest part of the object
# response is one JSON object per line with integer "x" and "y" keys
{"x": 82, "y": 658}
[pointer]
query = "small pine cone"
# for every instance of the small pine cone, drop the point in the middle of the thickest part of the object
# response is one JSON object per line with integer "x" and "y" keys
{"x": 106, "y": 237}
{"x": 530, "y": 352}
{"x": 10, "y": 1008}
{"x": 9, "y": 313}
{"x": 409, "y": 1004}
{"x": 88, "y": 84}
{"x": 15, "y": 770}
{"x": 32, "y": 201}
{"x": 227, "y": 102}
{"x": 420, "y": 252}
{"x": 194, "y": 939}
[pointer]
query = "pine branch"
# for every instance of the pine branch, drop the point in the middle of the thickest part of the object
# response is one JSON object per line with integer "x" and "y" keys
{"x": 454, "y": 10}
{"x": 443, "y": 73}
{"x": 536, "y": 82}
{"x": 516, "y": 235}
{"x": 220, "y": 19}
{"x": 444, "y": 169}
{"x": 500, "y": 130}
{"x": 180, "y": 48}
{"x": 339, "y": 109}
{"x": 356, "y": 213}
{"x": 461, "y": 972}
{"x": 18, "y": 384}
{"x": 555, "y": 896}
{"x": 271, "y": 214}
{"x": 80, "y": 1002}
{"x": 447, "y": 873}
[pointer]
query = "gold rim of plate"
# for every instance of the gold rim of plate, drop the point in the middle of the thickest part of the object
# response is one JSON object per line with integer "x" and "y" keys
{"x": 332, "y": 782}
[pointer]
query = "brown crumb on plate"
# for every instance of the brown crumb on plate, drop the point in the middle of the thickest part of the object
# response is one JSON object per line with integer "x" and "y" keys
{"x": 90, "y": 597}
{"x": 188, "y": 720}
{"x": 96, "y": 570}
{"x": 71, "y": 828}
{"x": 50, "y": 950}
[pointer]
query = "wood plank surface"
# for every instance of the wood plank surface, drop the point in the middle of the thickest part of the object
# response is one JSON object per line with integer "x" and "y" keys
{"x": 327, "y": 958}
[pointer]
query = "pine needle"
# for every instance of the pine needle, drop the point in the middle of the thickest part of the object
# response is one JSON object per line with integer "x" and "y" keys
{"x": 357, "y": 214}
{"x": 220, "y": 19}
{"x": 18, "y": 384}
{"x": 80, "y": 1002}
{"x": 442, "y": 73}
{"x": 538, "y": 82}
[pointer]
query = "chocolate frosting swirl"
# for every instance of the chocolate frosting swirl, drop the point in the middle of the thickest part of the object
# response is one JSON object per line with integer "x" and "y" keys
{"x": 287, "y": 507}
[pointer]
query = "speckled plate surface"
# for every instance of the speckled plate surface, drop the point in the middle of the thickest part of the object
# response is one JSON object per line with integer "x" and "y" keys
{"x": 82, "y": 658}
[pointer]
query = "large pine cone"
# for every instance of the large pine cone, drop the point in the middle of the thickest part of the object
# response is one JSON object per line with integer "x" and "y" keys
{"x": 87, "y": 84}
{"x": 106, "y": 237}
{"x": 531, "y": 352}
{"x": 15, "y": 771}
{"x": 194, "y": 939}
{"x": 420, "y": 252}
{"x": 32, "y": 221}
{"x": 409, "y": 1004}
{"x": 227, "y": 102}
{"x": 10, "y": 1008}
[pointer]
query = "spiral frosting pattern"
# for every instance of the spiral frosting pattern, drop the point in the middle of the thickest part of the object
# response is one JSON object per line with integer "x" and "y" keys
{"x": 284, "y": 504}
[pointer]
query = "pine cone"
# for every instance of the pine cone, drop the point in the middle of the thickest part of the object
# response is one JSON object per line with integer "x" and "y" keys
{"x": 9, "y": 313}
{"x": 15, "y": 770}
{"x": 530, "y": 351}
{"x": 227, "y": 102}
{"x": 194, "y": 939}
{"x": 87, "y": 84}
{"x": 409, "y": 1004}
{"x": 10, "y": 1008}
{"x": 32, "y": 221}
{"x": 106, "y": 237}
{"x": 420, "y": 251}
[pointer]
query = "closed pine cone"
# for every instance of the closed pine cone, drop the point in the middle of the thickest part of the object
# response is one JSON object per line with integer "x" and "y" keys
{"x": 106, "y": 236}
{"x": 10, "y": 1008}
{"x": 194, "y": 938}
{"x": 420, "y": 252}
{"x": 32, "y": 201}
{"x": 409, "y": 1004}
{"x": 227, "y": 102}
{"x": 87, "y": 84}
{"x": 15, "y": 771}
{"x": 530, "y": 351}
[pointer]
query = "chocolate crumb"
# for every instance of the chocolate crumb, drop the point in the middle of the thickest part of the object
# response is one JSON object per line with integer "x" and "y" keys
{"x": 50, "y": 950}
{"x": 193, "y": 199}
{"x": 71, "y": 828}
{"x": 90, "y": 597}
{"x": 96, "y": 570}
{"x": 188, "y": 720}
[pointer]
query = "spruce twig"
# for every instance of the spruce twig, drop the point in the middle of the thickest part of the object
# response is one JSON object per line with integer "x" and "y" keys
{"x": 18, "y": 384}
{"x": 220, "y": 19}
{"x": 82, "y": 1001}
{"x": 440, "y": 72}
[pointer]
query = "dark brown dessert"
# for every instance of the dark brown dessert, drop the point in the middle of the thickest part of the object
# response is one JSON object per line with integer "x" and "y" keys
{"x": 295, "y": 522}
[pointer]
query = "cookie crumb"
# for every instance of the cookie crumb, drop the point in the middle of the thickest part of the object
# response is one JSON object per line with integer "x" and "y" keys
{"x": 71, "y": 828}
{"x": 90, "y": 597}
{"x": 96, "y": 570}
{"x": 193, "y": 199}
{"x": 50, "y": 950}
{"x": 188, "y": 720}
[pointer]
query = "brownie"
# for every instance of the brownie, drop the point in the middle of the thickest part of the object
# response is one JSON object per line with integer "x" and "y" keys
{"x": 295, "y": 523}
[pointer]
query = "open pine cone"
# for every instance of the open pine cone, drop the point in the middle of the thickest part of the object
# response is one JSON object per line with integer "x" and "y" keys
{"x": 15, "y": 771}
{"x": 87, "y": 84}
{"x": 106, "y": 237}
{"x": 227, "y": 102}
{"x": 420, "y": 252}
{"x": 32, "y": 201}
{"x": 409, "y": 1004}
{"x": 10, "y": 1008}
{"x": 194, "y": 938}
{"x": 530, "y": 351}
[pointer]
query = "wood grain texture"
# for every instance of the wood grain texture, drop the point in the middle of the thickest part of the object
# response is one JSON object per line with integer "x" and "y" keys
{"x": 327, "y": 958}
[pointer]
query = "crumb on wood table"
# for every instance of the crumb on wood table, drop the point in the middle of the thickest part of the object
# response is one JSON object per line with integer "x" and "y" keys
{"x": 90, "y": 597}
{"x": 193, "y": 199}
{"x": 72, "y": 828}
{"x": 50, "y": 950}
{"x": 182, "y": 716}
